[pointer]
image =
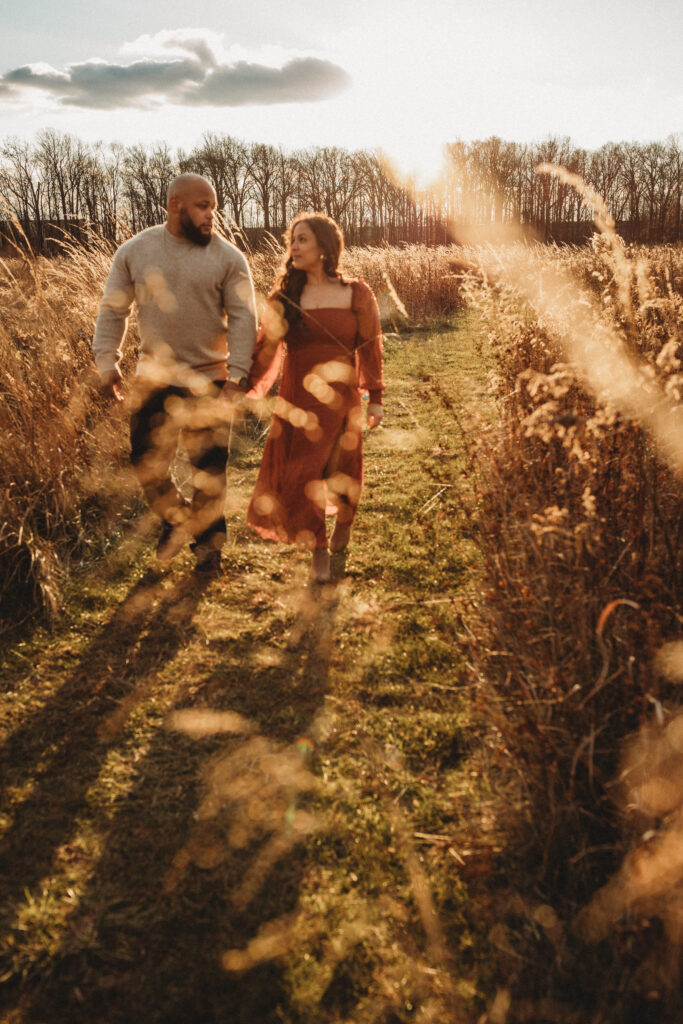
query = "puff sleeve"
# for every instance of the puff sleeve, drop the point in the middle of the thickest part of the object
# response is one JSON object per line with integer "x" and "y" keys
{"x": 368, "y": 342}
{"x": 267, "y": 359}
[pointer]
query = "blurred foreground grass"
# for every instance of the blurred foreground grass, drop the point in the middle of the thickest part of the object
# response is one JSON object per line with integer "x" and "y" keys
{"x": 250, "y": 802}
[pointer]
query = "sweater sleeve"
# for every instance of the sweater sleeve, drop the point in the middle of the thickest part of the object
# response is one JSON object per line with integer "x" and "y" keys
{"x": 113, "y": 313}
{"x": 240, "y": 305}
{"x": 368, "y": 342}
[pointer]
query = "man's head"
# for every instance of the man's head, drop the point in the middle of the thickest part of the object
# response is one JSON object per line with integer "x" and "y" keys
{"x": 190, "y": 208}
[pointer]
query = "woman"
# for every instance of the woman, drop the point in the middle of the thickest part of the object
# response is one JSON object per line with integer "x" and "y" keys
{"x": 313, "y": 459}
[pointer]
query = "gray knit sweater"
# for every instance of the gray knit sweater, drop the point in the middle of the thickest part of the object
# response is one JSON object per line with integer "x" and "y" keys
{"x": 196, "y": 308}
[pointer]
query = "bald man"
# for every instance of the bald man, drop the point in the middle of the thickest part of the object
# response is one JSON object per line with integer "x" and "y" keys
{"x": 197, "y": 331}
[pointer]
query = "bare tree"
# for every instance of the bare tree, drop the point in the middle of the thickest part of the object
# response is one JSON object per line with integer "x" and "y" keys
{"x": 147, "y": 173}
{"x": 266, "y": 168}
{"x": 22, "y": 188}
{"x": 489, "y": 182}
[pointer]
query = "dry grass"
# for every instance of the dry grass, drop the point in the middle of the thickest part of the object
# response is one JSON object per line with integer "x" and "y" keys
{"x": 581, "y": 524}
{"x": 415, "y": 283}
{"x": 60, "y": 479}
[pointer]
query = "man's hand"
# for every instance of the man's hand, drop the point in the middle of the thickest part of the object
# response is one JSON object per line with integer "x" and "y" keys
{"x": 234, "y": 390}
{"x": 110, "y": 385}
{"x": 374, "y": 415}
{"x": 231, "y": 390}
{"x": 232, "y": 398}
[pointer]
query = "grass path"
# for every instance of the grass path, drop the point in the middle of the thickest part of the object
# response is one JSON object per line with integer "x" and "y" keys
{"x": 247, "y": 801}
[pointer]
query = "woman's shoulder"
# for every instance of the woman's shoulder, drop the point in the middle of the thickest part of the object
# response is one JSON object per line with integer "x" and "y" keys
{"x": 362, "y": 291}
{"x": 363, "y": 300}
{"x": 277, "y": 301}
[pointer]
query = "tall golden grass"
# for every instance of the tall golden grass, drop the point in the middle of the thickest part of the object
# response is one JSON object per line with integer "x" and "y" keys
{"x": 580, "y": 519}
{"x": 62, "y": 448}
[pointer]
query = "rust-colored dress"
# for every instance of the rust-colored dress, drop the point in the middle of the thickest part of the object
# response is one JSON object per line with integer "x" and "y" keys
{"x": 313, "y": 459}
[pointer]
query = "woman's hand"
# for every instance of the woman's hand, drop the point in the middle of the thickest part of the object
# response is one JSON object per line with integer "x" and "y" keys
{"x": 374, "y": 415}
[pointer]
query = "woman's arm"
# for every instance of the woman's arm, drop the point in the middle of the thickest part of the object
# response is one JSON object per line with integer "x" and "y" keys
{"x": 369, "y": 350}
{"x": 265, "y": 365}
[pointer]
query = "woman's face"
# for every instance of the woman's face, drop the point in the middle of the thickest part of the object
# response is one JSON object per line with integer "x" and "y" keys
{"x": 304, "y": 249}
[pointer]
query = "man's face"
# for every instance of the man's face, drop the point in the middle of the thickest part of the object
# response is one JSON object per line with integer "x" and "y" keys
{"x": 197, "y": 209}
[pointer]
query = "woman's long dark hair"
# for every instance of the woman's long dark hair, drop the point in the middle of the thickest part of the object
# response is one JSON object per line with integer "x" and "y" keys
{"x": 290, "y": 283}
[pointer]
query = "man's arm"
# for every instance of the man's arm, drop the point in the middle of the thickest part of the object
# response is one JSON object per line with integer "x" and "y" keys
{"x": 239, "y": 303}
{"x": 110, "y": 327}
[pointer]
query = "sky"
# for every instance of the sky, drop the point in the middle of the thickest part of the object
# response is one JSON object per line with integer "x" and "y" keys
{"x": 402, "y": 76}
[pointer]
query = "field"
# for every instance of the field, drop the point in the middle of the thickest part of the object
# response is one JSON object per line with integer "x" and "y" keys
{"x": 449, "y": 786}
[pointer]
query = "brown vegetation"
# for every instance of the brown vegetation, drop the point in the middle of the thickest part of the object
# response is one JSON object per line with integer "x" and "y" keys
{"x": 61, "y": 447}
{"x": 580, "y": 521}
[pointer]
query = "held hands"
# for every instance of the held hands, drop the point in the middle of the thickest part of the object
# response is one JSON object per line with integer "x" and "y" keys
{"x": 232, "y": 399}
{"x": 374, "y": 415}
{"x": 110, "y": 385}
{"x": 233, "y": 391}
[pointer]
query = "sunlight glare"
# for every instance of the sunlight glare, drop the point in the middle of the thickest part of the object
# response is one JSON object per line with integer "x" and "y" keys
{"x": 418, "y": 159}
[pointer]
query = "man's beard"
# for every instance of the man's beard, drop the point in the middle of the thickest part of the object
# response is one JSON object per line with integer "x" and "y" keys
{"x": 192, "y": 232}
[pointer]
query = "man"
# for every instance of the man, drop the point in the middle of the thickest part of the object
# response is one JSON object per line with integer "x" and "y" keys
{"x": 197, "y": 329}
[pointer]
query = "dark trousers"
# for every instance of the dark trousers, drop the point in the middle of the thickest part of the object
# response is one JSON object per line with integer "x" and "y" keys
{"x": 163, "y": 417}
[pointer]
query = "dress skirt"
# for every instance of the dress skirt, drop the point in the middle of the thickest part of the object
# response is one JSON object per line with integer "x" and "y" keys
{"x": 312, "y": 464}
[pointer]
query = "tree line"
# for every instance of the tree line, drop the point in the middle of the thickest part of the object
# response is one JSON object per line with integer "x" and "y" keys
{"x": 59, "y": 183}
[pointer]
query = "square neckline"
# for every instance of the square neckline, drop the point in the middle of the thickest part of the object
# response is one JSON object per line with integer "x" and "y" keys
{"x": 342, "y": 309}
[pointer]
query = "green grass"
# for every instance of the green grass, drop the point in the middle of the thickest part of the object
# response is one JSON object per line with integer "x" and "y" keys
{"x": 324, "y": 863}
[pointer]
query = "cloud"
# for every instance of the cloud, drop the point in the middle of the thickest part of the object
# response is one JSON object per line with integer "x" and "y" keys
{"x": 105, "y": 86}
{"x": 299, "y": 81}
{"x": 201, "y": 75}
{"x": 206, "y": 44}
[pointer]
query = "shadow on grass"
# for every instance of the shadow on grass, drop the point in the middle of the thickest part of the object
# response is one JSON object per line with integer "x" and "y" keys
{"x": 166, "y": 898}
{"x": 59, "y": 750}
